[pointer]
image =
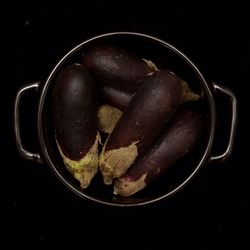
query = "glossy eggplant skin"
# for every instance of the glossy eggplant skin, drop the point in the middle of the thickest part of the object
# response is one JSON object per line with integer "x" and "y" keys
{"x": 117, "y": 68}
{"x": 120, "y": 99}
{"x": 154, "y": 103}
{"x": 178, "y": 139}
{"x": 116, "y": 98}
{"x": 75, "y": 111}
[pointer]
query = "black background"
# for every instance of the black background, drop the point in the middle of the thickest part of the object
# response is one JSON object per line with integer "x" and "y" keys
{"x": 213, "y": 212}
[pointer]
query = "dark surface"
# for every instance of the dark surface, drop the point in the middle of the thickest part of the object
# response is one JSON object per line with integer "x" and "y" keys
{"x": 75, "y": 111}
{"x": 116, "y": 68}
{"x": 213, "y": 212}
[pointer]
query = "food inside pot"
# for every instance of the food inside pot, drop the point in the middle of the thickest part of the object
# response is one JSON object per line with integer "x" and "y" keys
{"x": 124, "y": 116}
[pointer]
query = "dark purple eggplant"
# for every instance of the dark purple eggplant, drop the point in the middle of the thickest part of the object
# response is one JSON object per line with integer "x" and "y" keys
{"x": 116, "y": 101}
{"x": 116, "y": 98}
{"x": 177, "y": 140}
{"x": 75, "y": 117}
{"x": 116, "y": 68}
{"x": 120, "y": 99}
{"x": 121, "y": 73}
{"x": 154, "y": 103}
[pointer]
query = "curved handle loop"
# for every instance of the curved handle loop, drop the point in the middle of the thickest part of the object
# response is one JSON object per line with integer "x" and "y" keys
{"x": 223, "y": 156}
{"x": 23, "y": 152}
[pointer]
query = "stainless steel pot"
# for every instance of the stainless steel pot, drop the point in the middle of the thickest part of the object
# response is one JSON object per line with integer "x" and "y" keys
{"x": 161, "y": 53}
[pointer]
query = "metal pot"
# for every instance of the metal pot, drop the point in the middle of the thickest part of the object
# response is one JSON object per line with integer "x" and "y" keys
{"x": 161, "y": 53}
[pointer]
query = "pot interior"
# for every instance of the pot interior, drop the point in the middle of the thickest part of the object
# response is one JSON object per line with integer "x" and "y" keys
{"x": 164, "y": 56}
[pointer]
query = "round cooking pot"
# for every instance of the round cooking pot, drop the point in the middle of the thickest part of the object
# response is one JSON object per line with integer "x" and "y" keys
{"x": 163, "y": 54}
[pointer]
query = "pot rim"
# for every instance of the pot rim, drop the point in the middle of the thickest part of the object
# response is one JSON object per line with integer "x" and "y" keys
{"x": 176, "y": 51}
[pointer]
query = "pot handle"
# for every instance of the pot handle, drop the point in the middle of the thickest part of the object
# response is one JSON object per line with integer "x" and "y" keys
{"x": 23, "y": 152}
{"x": 218, "y": 88}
